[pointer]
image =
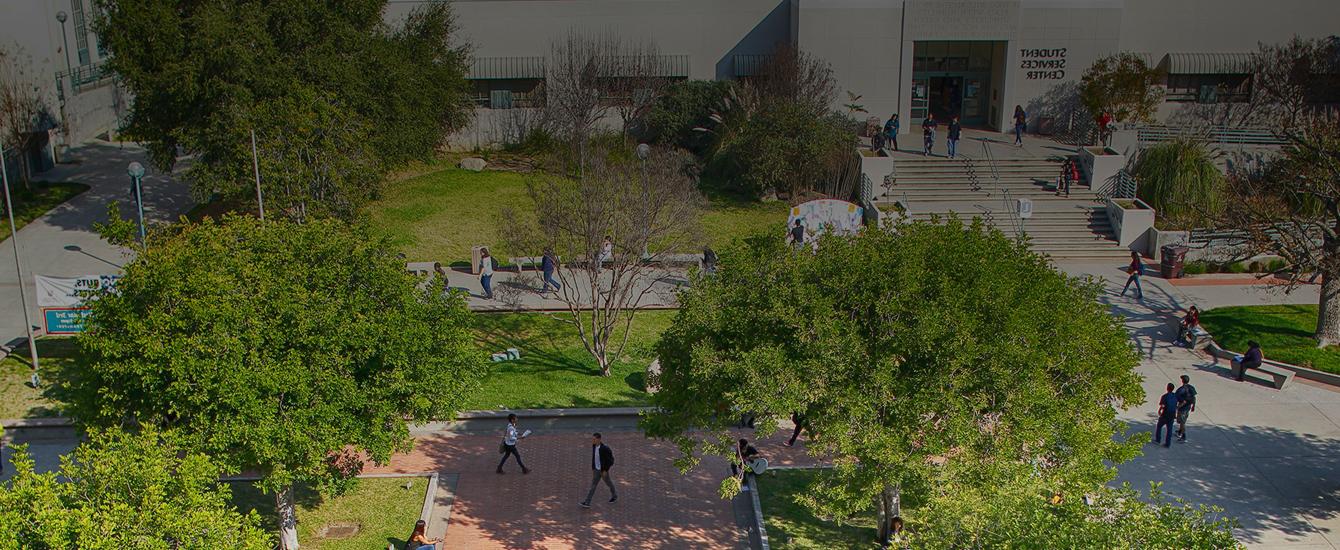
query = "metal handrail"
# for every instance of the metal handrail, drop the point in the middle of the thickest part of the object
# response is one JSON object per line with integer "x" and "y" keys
{"x": 1121, "y": 186}
{"x": 1006, "y": 203}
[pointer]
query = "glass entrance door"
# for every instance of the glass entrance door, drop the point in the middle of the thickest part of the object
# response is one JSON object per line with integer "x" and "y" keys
{"x": 953, "y": 78}
{"x": 946, "y": 97}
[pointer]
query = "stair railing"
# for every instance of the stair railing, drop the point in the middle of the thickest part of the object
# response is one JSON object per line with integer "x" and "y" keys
{"x": 1006, "y": 202}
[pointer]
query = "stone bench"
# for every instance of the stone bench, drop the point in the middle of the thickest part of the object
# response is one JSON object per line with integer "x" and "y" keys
{"x": 1199, "y": 338}
{"x": 1278, "y": 376}
{"x": 419, "y": 268}
{"x": 526, "y": 262}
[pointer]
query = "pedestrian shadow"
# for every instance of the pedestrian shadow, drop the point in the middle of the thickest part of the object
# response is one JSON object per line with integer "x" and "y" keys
{"x": 1270, "y": 479}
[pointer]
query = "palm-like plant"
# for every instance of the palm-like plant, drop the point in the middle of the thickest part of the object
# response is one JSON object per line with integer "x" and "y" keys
{"x": 1181, "y": 181}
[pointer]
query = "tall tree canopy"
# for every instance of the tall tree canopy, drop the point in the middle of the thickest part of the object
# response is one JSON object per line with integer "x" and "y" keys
{"x": 334, "y": 95}
{"x": 928, "y": 360}
{"x": 120, "y": 491}
{"x": 284, "y": 348}
{"x": 1124, "y": 85}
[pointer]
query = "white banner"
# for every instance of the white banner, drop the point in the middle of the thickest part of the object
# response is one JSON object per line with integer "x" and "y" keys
{"x": 70, "y": 291}
{"x": 827, "y": 215}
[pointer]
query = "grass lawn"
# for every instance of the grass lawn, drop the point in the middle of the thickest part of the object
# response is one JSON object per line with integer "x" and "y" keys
{"x": 438, "y": 216}
{"x": 44, "y": 197}
{"x": 555, "y": 370}
{"x": 17, "y": 398}
{"x": 1284, "y": 332}
{"x": 383, "y": 508}
{"x": 791, "y": 526}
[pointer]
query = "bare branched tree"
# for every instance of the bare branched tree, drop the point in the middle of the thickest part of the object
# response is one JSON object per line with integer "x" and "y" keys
{"x": 640, "y": 76}
{"x": 23, "y": 116}
{"x": 646, "y": 209}
{"x": 577, "y": 70}
{"x": 1289, "y": 204}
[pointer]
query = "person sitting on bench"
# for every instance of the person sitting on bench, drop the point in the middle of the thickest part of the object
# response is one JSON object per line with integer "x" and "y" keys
{"x": 1252, "y": 359}
{"x": 1189, "y": 323}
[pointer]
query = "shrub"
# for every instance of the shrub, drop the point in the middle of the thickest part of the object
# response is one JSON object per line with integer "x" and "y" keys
{"x": 783, "y": 147}
{"x": 1180, "y": 180}
{"x": 1275, "y": 265}
{"x": 1196, "y": 268}
{"x": 1238, "y": 267}
{"x": 685, "y": 106}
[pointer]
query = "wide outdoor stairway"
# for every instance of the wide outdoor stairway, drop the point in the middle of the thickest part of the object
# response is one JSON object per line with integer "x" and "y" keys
{"x": 1073, "y": 228}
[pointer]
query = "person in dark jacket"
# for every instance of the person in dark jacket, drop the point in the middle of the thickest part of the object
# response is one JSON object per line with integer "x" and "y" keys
{"x": 744, "y": 455}
{"x": 1167, "y": 415}
{"x": 891, "y": 130}
{"x": 548, "y": 266}
{"x": 1252, "y": 359}
{"x": 1020, "y": 123}
{"x": 928, "y": 134}
{"x": 602, "y": 459}
{"x": 955, "y": 130}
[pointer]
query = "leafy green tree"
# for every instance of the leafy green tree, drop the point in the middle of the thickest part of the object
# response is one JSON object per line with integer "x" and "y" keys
{"x": 1181, "y": 181}
{"x": 928, "y": 359}
{"x": 124, "y": 491}
{"x": 1124, "y": 85}
{"x": 293, "y": 350}
{"x": 1105, "y": 517}
{"x": 335, "y": 96}
{"x": 677, "y": 117}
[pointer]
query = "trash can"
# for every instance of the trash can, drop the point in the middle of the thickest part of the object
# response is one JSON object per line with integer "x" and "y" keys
{"x": 1172, "y": 261}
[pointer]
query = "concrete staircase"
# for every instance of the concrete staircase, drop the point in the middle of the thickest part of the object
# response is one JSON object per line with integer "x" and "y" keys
{"x": 1073, "y": 228}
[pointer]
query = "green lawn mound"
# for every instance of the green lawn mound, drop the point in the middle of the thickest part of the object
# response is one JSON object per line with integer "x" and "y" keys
{"x": 30, "y": 205}
{"x": 18, "y": 399}
{"x": 791, "y": 526}
{"x": 439, "y": 215}
{"x": 1284, "y": 332}
{"x": 554, "y": 371}
{"x": 375, "y": 512}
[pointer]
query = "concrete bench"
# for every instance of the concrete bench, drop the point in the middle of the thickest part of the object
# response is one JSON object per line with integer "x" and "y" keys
{"x": 526, "y": 262}
{"x": 419, "y": 268}
{"x": 1198, "y": 339}
{"x": 1278, "y": 376}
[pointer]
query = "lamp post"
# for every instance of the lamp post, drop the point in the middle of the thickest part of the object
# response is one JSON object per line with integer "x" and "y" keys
{"x": 60, "y": 83}
{"x": 136, "y": 172}
{"x": 65, "y": 42}
{"x": 18, "y": 268}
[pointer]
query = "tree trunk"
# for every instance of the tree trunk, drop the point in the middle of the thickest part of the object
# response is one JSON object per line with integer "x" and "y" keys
{"x": 889, "y": 505}
{"x": 288, "y": 519}
{"x": 1328, "y": 311}
{"x": 602, "y": 359}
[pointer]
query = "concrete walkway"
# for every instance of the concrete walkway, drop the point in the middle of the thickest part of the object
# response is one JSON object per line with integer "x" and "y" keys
{"x": 1268, "y": 457}
{"x": 62, "y": 243}
{"x": 521, "y": 291}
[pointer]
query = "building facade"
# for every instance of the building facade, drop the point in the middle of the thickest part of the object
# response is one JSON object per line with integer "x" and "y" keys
{"x": 975, "y": 58}
{"x": 57, "y": 49}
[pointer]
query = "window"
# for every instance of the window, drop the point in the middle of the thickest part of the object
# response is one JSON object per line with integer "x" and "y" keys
{"x": 1209, "y": 88}
{"x": 506, "y": 93}
{"x": 80, "y": 31}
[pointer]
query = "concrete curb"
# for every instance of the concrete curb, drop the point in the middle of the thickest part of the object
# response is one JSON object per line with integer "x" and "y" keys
{"x": 758, "y": 536}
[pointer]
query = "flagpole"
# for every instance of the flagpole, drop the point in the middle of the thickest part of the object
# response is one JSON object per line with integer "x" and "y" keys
{"x": 14, "y": 238}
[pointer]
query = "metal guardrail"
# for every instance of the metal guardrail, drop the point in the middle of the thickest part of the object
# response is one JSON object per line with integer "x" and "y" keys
{"x": 1007, "y": 205}
{"x": 1122, "y": 186}
{"x": 1235, "y": 135}
{"x": 82, "y": 76}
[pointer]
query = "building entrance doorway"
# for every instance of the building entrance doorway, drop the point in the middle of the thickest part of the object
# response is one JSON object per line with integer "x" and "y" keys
{"x": 958, "y": 78}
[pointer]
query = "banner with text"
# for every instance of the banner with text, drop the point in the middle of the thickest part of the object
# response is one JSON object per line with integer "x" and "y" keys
{"x": 63, "y": 300}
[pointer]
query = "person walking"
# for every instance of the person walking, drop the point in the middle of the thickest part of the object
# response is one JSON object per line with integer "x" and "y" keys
{"x": 1020, "y": 122}
{"x": 549, "y": 266}
{"x": 955, "y": 130}
{"x": 486, "y": 273}
{"x": 1252, "y": 359}
{"x": 510, "y": 438}
{"x": 709, "y": 260}
{"x": 799, "y": 421}
{"x": 606, "y": 253}
{"x": 602, "y": 459}
{"x": 797, "y": 235}
{"x": 928, "y": 134}
{"x": 1063, "y": 181}
{"x": 1186, "y": 404}
{"x": 1167, "y": 414}
{"x": 891, "y": 130}
{"x": 1136, "y": 269}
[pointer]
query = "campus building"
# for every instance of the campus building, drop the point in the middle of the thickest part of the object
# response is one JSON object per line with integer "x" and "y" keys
{"x": 976, "y": 58}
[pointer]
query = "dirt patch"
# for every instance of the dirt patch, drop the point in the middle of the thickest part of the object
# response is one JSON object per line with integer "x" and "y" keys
{"x": 338, "y": 530}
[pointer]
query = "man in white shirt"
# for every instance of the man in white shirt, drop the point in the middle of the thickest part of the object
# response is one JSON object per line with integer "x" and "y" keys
{"x": 510, "y": 438}
{"x": 602, "y": 458}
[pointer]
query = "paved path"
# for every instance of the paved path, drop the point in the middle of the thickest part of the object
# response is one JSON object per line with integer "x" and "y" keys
{"x": 63, "y": 243}
{"x": 512, "y": 290}
{"x": 1267, "y": 456}
{"x": 657, "y": 507}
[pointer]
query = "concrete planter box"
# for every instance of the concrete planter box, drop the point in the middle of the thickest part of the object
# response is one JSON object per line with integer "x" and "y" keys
{"x": 1100, "y": 164}
{"x": 1159, "y": 238}
{"x": 1131, "y": 221}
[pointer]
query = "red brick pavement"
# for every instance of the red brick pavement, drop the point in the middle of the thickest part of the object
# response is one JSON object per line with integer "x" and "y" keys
{"x": 657, "y": 508}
